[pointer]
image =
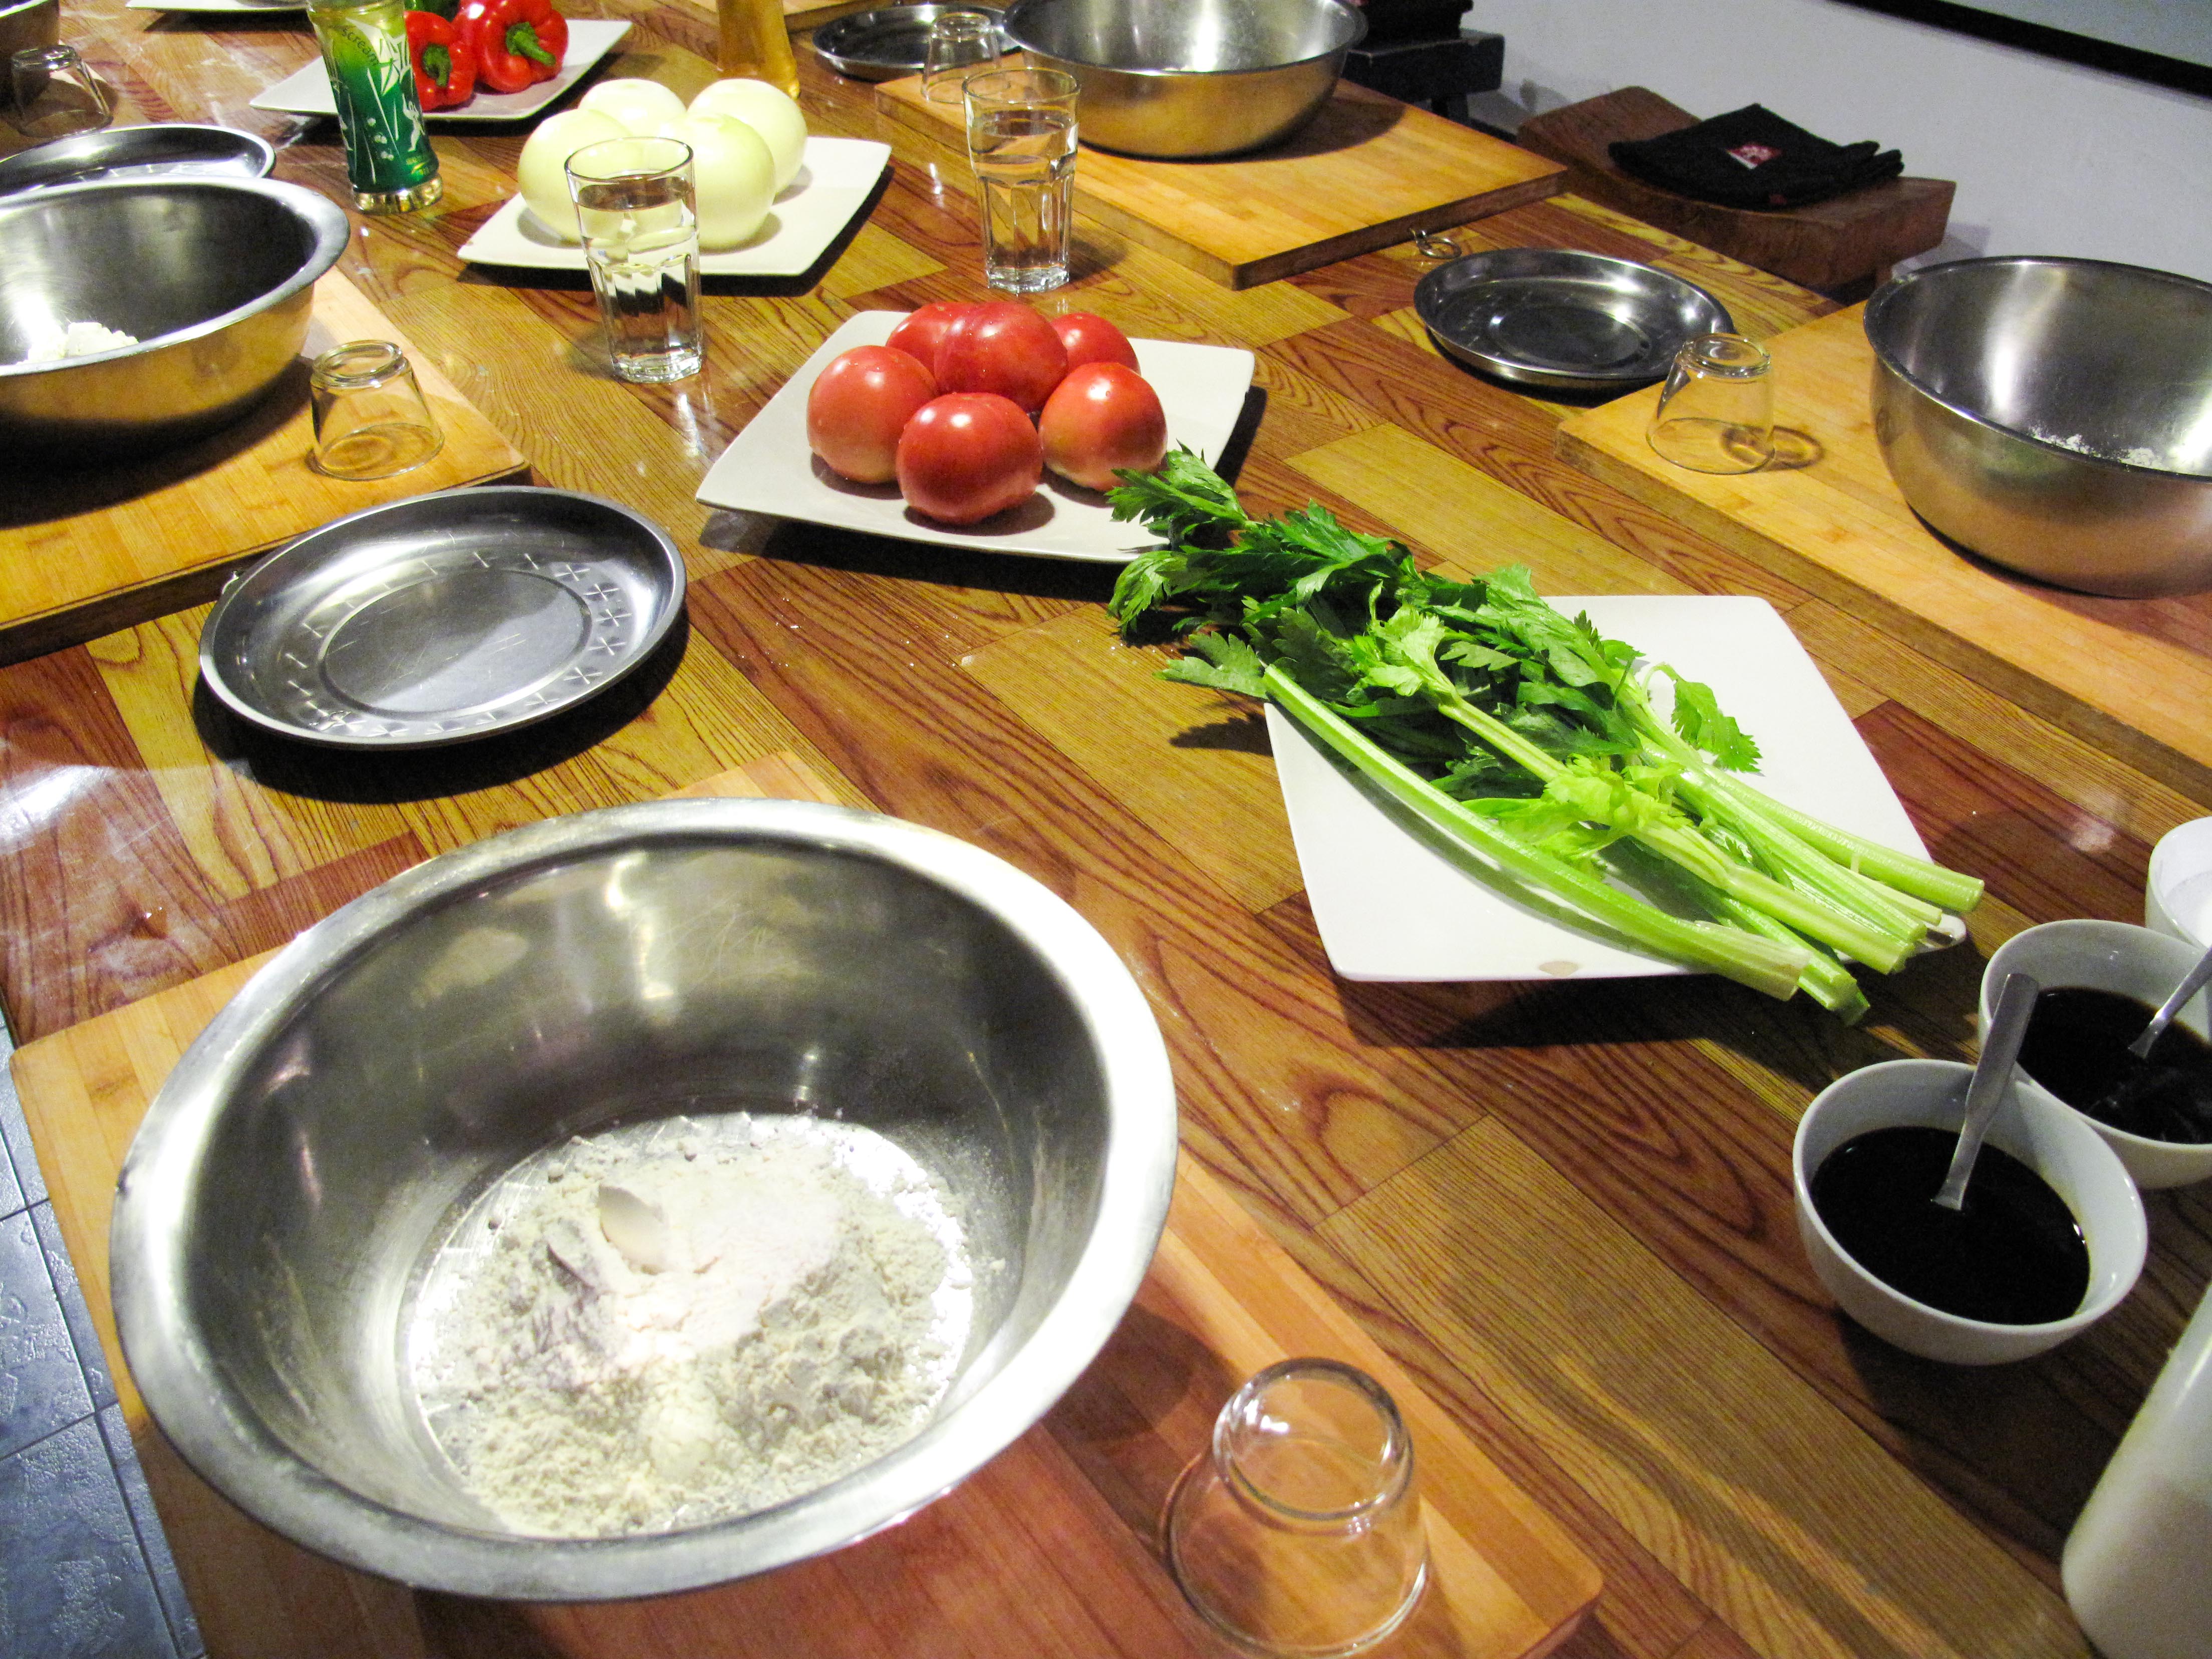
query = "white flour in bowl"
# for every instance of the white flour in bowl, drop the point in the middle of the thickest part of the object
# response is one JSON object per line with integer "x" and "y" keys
{"x": 674, "y": 1323}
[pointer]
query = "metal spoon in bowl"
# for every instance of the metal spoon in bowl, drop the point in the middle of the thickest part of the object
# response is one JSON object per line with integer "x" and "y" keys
{"x": 1992, "y": 1076}
{"x": 2191, "y": 983}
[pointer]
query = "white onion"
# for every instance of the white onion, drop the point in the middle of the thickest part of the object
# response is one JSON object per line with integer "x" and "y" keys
{"x": 643, "y": 107}
{"x": 734, "y": 177}
{"x": 541, "y": 174}
{"x": 768, "y": 110}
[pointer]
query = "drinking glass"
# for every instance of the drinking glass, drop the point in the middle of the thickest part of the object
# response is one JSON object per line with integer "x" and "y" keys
{"x": 1300, "y": 1533}
{"x": 55, "y": 93}
{"x": 640, "y": 229}
{"x": 1021, "y": 137}
{"x": 958, "y": 41}
{"x": 371, "y": 418}
{"x": 1716, "y": 412}
{"x": 389, "y": 161}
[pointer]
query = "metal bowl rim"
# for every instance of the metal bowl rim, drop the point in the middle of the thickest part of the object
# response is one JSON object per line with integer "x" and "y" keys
{"x": 332, "y": 227}
{"x": 1358, "y": 18}
{"x": 246, "y": 143}
{"x": 1890, "y": 295}
{"x": 240, "y": 588}
{"x": 189, "y": 1395}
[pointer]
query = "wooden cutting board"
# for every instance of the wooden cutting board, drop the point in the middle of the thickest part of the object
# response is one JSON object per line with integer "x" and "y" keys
{"x": 2134, "y": 676}
{"x": 1368, "y": 172}
{"x": 1050, "y": 1549}
{"x": 85, "y": 553}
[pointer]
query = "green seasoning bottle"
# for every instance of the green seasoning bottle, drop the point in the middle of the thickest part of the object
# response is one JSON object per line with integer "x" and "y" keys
{"x": 389, "y": 160}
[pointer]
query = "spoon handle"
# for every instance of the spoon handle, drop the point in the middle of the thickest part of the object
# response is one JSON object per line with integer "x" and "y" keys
{"x": 2193, "y": 982}
{"x": 1993, "y": 1078}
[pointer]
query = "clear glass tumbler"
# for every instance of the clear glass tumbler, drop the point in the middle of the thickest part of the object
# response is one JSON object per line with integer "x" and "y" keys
{"x": 1300, "y": 1534}
{"x": 1715, "y": 413}
{"x": 635, "y": 209}
{"x": 1021, "y": 137}
{"x": 55, "y": 95}
{"x": 958, "y": 42}
{"x": 371, "y": 418}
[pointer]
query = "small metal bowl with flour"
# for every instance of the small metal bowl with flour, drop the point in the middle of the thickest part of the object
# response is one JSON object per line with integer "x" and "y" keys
{"x": 643, "y": 1199}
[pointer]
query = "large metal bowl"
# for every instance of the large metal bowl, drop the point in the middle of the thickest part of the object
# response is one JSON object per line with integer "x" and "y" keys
{"x": 1182, "y": 80}
{"x": 214, "y": 276}
{"x": 2054, "y": 417}
{"x": 326, "y": 1132}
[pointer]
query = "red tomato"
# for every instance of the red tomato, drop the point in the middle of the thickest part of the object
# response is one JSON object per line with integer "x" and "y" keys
{"x": 1004, "y": 347}
{"x": 1088, "y": 337}
{"x": 967, "y": 455}
{"x": 924, "y": 328}
{"x": 1103, "y": 418}
{"x": 858, "y": 406}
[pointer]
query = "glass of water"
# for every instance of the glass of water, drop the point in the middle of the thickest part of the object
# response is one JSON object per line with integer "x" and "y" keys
{"x": 1021, "y": 139}
{"x": 635, "y": 208}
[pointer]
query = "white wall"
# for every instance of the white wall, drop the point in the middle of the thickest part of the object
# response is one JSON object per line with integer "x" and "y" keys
{"x": 2049, "y": 158}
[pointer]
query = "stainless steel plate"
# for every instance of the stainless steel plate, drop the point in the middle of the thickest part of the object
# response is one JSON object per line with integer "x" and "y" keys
{"x": 1550, "y": 316}
{"x": 148, "y": 152}
{"x": 443, "y": 617}
{"x": 883, "y": 44}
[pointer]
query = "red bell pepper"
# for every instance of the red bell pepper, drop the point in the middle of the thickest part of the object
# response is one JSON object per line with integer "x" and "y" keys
{"x": 517, "y": 42}
{"x": 445, "y": 64}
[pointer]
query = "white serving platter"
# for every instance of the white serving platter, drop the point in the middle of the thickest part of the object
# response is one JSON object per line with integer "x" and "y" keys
{"x": 308, "y": 92}
{"x": 833, "y": 183}
{"x": 1389, "y": 908}
{"x": 768, "y": 469}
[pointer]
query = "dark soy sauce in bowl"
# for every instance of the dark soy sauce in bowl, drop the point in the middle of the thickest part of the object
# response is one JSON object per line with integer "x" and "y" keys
{"x": 2015, "y": 1255}
{"x": 2077, "y": 1048}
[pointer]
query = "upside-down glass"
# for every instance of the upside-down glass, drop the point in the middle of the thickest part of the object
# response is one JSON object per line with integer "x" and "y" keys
{"x": 1021, "y": 139}
{"x": 1300, "y": 1535}
{"x": 55, "y": 95}
{"x": 371, "y": 418}
{"x": 958, "y": 42}
{"x": 640, "y": 229}
{"x": 1715, "y": 413}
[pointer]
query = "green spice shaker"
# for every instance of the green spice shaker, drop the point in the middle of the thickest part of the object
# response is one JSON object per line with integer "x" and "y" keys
{"x": 389, "y": 160}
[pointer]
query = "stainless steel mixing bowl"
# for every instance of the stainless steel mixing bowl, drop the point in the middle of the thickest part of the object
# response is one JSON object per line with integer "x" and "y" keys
{"x": 1186, "y": 79}
{"x": 313, "y": 1147}
{"x": 214, "y": 276}
{"x": 2054, "y": 417}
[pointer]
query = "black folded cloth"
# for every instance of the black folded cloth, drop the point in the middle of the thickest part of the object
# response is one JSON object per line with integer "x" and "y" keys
{"x": 1753, "y": 158}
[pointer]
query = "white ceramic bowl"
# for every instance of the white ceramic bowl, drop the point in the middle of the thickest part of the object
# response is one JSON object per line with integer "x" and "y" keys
{"x": 2050, "y": 1138}
{"x": 2178, "y": 898}
{"x": 2108, "y": 956}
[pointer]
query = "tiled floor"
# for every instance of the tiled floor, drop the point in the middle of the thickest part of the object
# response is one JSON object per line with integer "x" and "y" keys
{"x": 84, "y": 1572}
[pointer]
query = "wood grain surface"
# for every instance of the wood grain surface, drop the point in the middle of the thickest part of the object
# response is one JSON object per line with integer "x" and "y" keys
{"x": 2132, "y": 675}
{"x": 84, "y": 551}
{"x": 1367, "y": 172}
{"x": 1564, "y": 1209}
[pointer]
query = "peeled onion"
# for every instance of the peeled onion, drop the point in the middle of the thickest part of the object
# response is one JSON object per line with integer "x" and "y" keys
{"x": 768, "y": 110}
{"x": 541, "y": 174}
{"x": 732, "y": 177}
{"x": 644, "y": 107}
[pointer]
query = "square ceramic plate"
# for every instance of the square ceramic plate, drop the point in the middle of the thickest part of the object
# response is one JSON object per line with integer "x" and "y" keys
{"x": 832, "y": 183}
{"x": 308, "y": 92}
{"x": 1389, "y": 908}
{"x": 768, "y": 468}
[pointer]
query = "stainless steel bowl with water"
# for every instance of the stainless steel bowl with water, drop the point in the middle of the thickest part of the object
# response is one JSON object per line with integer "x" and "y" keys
{"x": 1183, "y": 80}
{"x": 214, "y": 277}
{"x": 2053, "y": 415}
{"x": 308, "y": 1155}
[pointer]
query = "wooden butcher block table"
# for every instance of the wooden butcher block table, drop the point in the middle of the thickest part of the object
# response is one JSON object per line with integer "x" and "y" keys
{"x": 1561, "y": 1210}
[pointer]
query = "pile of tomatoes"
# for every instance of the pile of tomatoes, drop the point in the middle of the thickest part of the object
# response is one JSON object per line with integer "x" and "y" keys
{"x": 966, "y": 405}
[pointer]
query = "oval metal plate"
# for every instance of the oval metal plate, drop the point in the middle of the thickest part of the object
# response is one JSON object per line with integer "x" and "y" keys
{"x": 883, "y": 44}
{"x": 443, "y": 619}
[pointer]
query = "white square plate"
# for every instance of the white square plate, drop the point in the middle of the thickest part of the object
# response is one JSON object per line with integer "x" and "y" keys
{"x": 832, "y": 184}
{"x": 1389, "y": 908}
{"x": 768, "y": 469}
{"x": 309, "y": 91}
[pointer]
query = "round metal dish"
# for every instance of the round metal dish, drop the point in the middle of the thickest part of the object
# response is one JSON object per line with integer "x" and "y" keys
{"x": 883, "y": 44}
{"x": 442, "y": 618}
{"x": 149, "y": 152}
{"x": 1549, "y": 316}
